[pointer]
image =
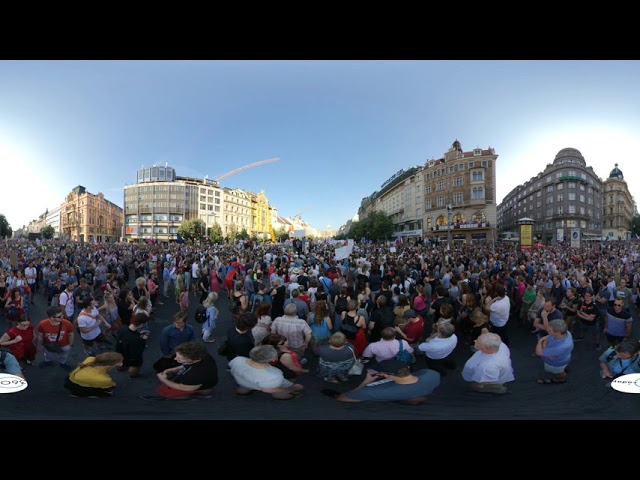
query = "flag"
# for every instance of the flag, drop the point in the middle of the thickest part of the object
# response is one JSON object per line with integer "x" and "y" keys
{"x": 179, "y": 239}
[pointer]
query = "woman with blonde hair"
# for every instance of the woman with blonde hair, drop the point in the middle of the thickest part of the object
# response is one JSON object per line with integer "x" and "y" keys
{"x": 212, "y": 314}
{"x": 109, "y": 310}
{"x": 263, "y": 327}
{"x": 336, "y": 358}
{"x": 91, "y": 379}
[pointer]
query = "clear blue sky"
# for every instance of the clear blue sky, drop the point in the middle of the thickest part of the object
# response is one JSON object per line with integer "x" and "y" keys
{"x": 340, "y": 128}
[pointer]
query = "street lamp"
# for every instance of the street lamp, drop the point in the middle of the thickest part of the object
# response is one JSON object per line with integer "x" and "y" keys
{"x": 449, "y": 207}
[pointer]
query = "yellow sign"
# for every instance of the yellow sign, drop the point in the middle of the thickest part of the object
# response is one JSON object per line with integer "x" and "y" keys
{"x": 526, "y": 237}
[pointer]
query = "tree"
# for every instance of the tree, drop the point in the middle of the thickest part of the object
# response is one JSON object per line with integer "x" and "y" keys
{"x": 232, "y": 232}
{"x": 47, "y": 232}
{"x": 281, "y": 234}
{"x": 635, "y": 225}
{"x": 375, "y": 226}
{"x": 192, "y": 230}
{"x": 5, "y": 228}
{"x": 243, "y": 235}
{"x": 215, "y": 233}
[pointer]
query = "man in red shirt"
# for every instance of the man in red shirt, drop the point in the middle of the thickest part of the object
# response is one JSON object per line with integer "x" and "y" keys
{"x": 413, "y": 330}
{"x": 55, "y": 337}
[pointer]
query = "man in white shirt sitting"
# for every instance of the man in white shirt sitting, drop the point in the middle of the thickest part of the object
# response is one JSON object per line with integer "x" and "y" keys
{"x": 439, "y": 348}
{"x": 490, "y": 367}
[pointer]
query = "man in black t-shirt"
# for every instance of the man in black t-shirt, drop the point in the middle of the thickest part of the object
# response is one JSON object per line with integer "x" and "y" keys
{"x": 197, "y": 374}
{"x": 131, "y": 344}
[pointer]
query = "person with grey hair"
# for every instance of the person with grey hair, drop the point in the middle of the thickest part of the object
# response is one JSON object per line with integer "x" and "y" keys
{"x": 302, "y": 309}
{"x": 296, "y": 330}
{"x": 490, "y": 367}
{"x": 439, "y": 347}
{"x": 255, "y": 374}
{"x": 555, "y": 350}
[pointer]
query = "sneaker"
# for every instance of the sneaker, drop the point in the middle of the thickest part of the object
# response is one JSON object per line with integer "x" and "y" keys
{"x": 331, "y": 379}
{"x": 44, "y": 364}
{"x": 578, "y": 339}
{"x": 65, "y": 366}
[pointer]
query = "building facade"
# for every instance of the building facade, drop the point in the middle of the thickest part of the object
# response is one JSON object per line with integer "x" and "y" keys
{"x": 53, "y": 219}
{"x": 617, "y": 207}
{"x": 237, "y": 211}
{"x": 565, "y": 197}
{"x": 160, "y": 201}
{"x": 85, "y": 217}
{"x": 261, "y": 216}
{"x": 460, "y": 195}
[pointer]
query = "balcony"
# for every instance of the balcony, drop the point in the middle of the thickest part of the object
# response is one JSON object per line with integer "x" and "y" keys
{"x": 571, "y": 178}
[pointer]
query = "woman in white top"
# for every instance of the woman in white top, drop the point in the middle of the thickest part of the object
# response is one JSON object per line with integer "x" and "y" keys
{"x": 89, "y": 321}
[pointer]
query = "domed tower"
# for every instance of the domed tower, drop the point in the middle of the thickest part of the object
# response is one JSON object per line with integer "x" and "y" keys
{"x": 617, "y": 204}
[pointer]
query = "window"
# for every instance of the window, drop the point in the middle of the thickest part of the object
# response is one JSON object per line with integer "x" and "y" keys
{"x": 477, "y": 176}
{"x": 429, "y": 222}
{"x": 539, "y": 204}
{"x": 583, "y": 224}
{"x": 478, "y": 193}
{"x": 582, "y": 198}
{"x": 428, "y": 204}
{"x": 560, "y": 186}
{"x": 558, "y": 174}
{"x": 550, "y": 189}
{"x": 572, "y": 223}
{"x": 439, "y": 185}
{"x": 590, "y": 200}
{"x": 538, "y": 193}
{"x": 457, "y": 198}
{"x": 582, "y": 187}
{"x": 549, "y": 212}
{"x": 484, "y": 163}
{"x": 560, "y": 197}
{"x": 572, "y": 209}
{"x": 572, "y": 184}
{"x": 427, "y": 189}
{"x": 549, "y": 199}
{"x": 440, "y": 202}
{"x": 571, "y": 196}
{"x": 470, "y": 165}
{"x": 418, "y": 212}
{"x": 560, "y": 210}
{"x": 457, "y": 182}
{"x": 451, "y": 169}
{"x": 581, "y": 210}
{"x": 572, "y": 173}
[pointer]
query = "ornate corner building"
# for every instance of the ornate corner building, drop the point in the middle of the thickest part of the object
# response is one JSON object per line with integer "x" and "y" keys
{"x": 617, "y": 207}
{"x": 85, "y": 217}
{"x": 566, "y": 196}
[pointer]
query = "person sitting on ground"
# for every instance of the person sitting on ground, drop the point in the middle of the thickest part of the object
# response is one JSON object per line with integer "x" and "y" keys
{"x": 386, "y": 348}
{"x": 287, "y": 360}
{"x": 256, "y": 374}
{"x": 391, "y": 381}
{"x": 490, "y": 367}
{"x": 91, "y": 378}
{"x": 439, "y": 347}
{"x": 10, "y": 364}
{"x": 336, "y": 358}
{"x": 622, "y": 359}
{"x": 555, "y": 350}
{"x": 197, "y": 374}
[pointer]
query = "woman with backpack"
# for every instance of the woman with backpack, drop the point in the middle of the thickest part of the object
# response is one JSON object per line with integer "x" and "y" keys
{"x": 321, "y": 325}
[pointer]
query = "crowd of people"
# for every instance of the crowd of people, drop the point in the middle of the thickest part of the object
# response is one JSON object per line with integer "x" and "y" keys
{"x": 389, "y": 317}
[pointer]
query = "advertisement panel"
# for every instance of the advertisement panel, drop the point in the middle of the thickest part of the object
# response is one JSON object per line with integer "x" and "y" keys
{"x": 526, "y": 237}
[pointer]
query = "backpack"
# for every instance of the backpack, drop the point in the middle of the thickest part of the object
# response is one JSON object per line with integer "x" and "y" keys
{"x": 341, "y": 304}
{"x": 201, "y": 314}
{"x": 403, "y": 355}
{"x": 257, "y": 298}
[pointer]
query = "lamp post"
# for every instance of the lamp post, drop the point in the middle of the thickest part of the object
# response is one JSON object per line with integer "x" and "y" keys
{"x": 449, "y": 207}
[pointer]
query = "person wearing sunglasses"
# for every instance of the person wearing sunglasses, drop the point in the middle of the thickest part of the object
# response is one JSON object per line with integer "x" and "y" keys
{"x": 55, "y": 337}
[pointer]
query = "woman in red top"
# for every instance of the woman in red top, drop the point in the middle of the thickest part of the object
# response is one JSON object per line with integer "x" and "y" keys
{"x": 15, "y": 300}
{"x": 19, "y": 340}
{"x": 351, "y": 317}
{"x": 287, "y": 359}
{"x": 413, "y": 330}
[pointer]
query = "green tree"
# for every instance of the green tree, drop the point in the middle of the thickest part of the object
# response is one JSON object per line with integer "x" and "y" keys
{"x": 375, "y": 226}
{"x": 215, "y": 233}
{"x": 243, "y": 235}
{"x": 192, "y": 230}
{"x": 281, "y": 234}
{"x": 47, "y": 232}
{"x": 232, "y": 232}
{"x": 635, "y": 225}
{"x": 5, "y": 228}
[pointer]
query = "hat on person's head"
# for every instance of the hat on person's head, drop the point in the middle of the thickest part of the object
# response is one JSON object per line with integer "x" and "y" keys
{"x": 296, "y": 271}
{"x": 409, "y": 314}
{"x": 391, "y": 366}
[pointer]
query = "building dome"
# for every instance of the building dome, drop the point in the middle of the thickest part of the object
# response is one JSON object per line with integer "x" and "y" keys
{"x": 616, "y": 173}
{"x": 567, "y": 154}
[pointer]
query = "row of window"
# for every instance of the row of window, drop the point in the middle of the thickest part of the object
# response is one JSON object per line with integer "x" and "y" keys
{"x": 459, "y": 167}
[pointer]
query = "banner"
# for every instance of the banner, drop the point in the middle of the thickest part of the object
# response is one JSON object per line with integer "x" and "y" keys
{"x": 560, "y": 235}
